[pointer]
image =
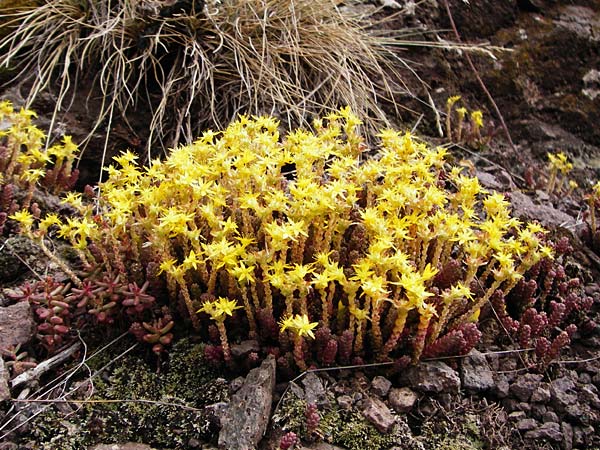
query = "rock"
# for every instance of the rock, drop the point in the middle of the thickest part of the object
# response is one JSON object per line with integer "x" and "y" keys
{"x": 549, "y": 431}
{"x": 236, "y": 384}
{"x": 431, "y": 377}
{"x": 126, "y": 446}
{"x": 541, "y": 394}
{"x": 501, "y": 389}
{"x": 8, "y": 446}
{"x": 589, "y": 395}
{"x": 550, "y": 416}
{"x": 17, "y": 326}
{"x": 523, "y": 387}
{"x": 320, "y": 446}
{"x": 475, "y": 373}
{"x": 247, "y": 417}
{"x": 562, "y": 391}
{"x": 538, "y": 410}
{"x": 403, "y": 399}
{"x": 244, "y": 348}
{"x": 380, "y": 386}
{"x": 345, "y": 402}
{"x": 314, "y": 392}
{"x": 4, "y": 379}
{"x": 376, "y": 412}
{"x": 567, "y": 431}
{"x": 526, "y": 424}
{"x": 547, "y": 215}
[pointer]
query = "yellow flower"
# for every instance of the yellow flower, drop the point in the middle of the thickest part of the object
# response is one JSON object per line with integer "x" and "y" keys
{"x": 220, "y": 308}
{"x": 477, "y": 118}
{"x": 299, "y": 324}
{"x": 24, "y": 217}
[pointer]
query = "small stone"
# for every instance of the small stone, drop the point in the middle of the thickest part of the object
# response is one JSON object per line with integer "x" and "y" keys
{"x": 432, "y": 377}
{"x": 244, "y": 348}
{"x": 4, "y": 378}
{"x": 517, "y": 415}
{"x": 475, "y": 372}
{"x": 345, "y": 402}
{"x": 562, "y": 391}
{"x": 585, "y": 378}
{"x": 567, "y": 431}
{"x": 126, "y": 446}
{"x": 523, "y": 386}
{"x": 550, "y": 416}
{"x": 524, "y": 406}
{"x": 538, "y": 410}
{"x": 526, "y": 424}
{"x": 376, "y": 412}
{"x": 589, "y": 395}
{"x": 403, "y": 399}
{"x": 17, "y": 326}
{"x": 550, "y": 431}
{"x": 541, "y": 394}
{"x": 501, "y": 389}
{"x": 314, "y": 391}
{"x": 380, "y": 386}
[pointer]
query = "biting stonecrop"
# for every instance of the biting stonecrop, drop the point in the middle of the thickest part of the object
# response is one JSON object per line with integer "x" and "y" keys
{"x": 26, "y": 163}
{"x": 384, "y": 255}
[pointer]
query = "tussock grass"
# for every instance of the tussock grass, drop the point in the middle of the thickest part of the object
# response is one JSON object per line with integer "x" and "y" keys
{"x": 196, "y": 65}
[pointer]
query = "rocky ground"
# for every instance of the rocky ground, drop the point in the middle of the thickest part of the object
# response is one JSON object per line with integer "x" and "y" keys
{"x": 544, "y": 79}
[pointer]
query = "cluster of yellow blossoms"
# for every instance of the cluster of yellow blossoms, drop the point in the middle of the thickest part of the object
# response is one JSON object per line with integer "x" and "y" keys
{"x": 308, "y": 230}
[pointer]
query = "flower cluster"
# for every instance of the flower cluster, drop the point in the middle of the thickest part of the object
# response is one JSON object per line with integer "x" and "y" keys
{"x": 26, "y": 163}
{"x": 559, "y": 167}
{"x": 462, "y": 127}
{"x": 381, "y": 256}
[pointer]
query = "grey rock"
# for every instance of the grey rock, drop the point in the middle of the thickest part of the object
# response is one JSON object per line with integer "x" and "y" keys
{"x": 402, "y": 399}
{"x": 345, "y": 402}
{"x": 563, "y": 393}
{"x": 501, "y": 389}
{"x": 432, "y": 377}
{"x": 475, "y": 373}
{"x": 4, "y": 379}
{"x": 244, "y": 348}
{"x": 549, "y": 431}
{"x": 236, "y": 384}
{"x": 550, "y": 416}
{"x": 125, "y": 446}
{"x": 547, "y": 215}
{"x": 380, "y": 386}
{"x": 319, "y": 446}
{"x": 567, "y": 432}
{"x": 527, "y": 424}
{"x": 8, "y": 446}
{"x": 247, "y": 417}
{"x": 523, "y": 386}
{"x": 541, "y": 394}
{"x": 314, "y": 392}
{"x": 589, "y": 395}
{"x": 517, "y": 415}
{"x": 538, "y": 410}
{"x": 17, "y": 326}
{"x": 377, "y": 412}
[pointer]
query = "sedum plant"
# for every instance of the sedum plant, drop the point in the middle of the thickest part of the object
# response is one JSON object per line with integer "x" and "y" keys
{"x": 373, "y": 258}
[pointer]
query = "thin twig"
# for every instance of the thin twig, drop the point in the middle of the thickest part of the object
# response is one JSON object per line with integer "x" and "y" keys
{"x": 45, "y": 366}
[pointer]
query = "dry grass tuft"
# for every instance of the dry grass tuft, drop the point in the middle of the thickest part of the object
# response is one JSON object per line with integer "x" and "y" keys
{"x": 197, "y": 65}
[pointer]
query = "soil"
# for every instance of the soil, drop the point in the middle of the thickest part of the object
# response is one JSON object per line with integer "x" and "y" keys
{"x": 542, "y": 73}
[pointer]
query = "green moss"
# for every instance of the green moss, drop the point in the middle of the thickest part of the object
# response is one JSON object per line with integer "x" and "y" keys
{"x": 348, "y": 429}
{"x": 169, "y": 417}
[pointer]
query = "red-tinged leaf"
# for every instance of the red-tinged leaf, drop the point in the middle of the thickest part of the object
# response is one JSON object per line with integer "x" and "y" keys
{"x": 61, "y": 329}
{"x": 42, "y": 313}
{"x": 55, "y": 320}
